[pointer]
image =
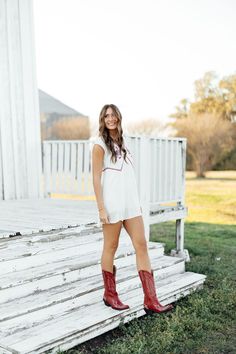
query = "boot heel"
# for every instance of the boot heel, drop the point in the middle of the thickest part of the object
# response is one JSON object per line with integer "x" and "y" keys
{"x": 148, "y": 312}
{"x": 106, "y": 303}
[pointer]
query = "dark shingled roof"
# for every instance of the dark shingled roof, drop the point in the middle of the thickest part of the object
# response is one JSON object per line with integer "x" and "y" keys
{"x": 49, "y": 105}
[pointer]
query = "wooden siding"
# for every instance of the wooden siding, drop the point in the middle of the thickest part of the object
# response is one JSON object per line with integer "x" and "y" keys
{"x": 20, "y": 148}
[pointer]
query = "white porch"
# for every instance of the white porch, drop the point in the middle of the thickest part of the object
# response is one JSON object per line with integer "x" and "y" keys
{"x": 25, "y": 216}
{"x": 51, "y": 282}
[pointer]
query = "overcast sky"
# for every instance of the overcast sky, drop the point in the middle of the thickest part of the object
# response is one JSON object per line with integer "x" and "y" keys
{"x": 142, "y": 55}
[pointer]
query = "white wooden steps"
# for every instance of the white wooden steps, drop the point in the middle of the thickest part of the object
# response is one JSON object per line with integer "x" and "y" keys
{"x": 52, "y": 286}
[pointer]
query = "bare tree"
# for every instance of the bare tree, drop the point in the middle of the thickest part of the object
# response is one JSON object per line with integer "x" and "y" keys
{"x": 210, "y": 138}
{"x": 151, "y": 127}
{"x": 71, "y": 128}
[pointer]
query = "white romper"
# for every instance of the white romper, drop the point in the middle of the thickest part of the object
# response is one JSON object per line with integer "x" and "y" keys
{"x": 119, "y": 185}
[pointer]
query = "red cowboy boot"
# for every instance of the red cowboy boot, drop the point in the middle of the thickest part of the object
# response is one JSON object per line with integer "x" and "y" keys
{"x": 151, "y": 302}
{"x": 110, "y": 296}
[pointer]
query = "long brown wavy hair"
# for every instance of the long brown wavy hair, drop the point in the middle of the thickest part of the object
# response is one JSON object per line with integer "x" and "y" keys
{"x": 104, "y": 132}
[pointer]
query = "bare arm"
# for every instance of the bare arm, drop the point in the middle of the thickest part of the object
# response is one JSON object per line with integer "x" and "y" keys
{"x": 97, "y": 164}
{"x": 97, "y": 156}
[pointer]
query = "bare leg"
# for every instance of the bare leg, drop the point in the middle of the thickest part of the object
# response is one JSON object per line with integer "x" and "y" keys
{"x": 111, "y": 233}
{"x": 135, "y": 229}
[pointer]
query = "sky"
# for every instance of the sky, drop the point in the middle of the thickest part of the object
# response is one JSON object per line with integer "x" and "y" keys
{"x": 142, "y": 55}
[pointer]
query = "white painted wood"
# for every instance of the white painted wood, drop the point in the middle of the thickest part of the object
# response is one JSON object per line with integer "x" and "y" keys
{"x": 56, "y": 311}
{"x": 66, "y": 170}
{"x": 24, "y": 247}
{"x": 54, "y": 149}
{"x": 171, "y": 168}
{"x": 19, "y": 112}
{"x": 27, "y": 247}
{"x": 6, "y": 350}
{"x": 166, "y": 166}
{"x": 46, "y": 214}
{"x": 29, "y": 283}
{"x": 179, "y": 172}
{"x": 61, "y": 149}
{"x": 154, "y": 162}
{"x": 31, "y": 105}
{"x": 17, "y": 109}
{"x": 51, "y": 282}
{"x": 53, "y": 292}
{"x": 86, "y": 169}
{"x": 160, "y": 174}
{"x": 173, "y": 183}
{"x": 73, "y": 168}
{"x": 159, "y": 161}
{"x": 42, "y": 259}
{"x": 62, "y": 266}
{"x": 29, "y": 333}
{"x": 145, "y": 177}
{"x": 47, "y": 169}
{"x": 166, "y": 169}
{"x": 1, "y": 172}
{"x": 167, "y": 215}
{"x": 7, "y": 148}
{"x": 183, "y": 159}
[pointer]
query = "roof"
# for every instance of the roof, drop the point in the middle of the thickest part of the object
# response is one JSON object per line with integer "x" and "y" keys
{"x": 48, "y": 104}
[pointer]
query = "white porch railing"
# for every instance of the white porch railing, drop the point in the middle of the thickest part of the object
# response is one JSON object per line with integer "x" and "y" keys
{"x": 160, "y": 172}
{"x": 67, "y": 167}
{"x": 166, "y": 167}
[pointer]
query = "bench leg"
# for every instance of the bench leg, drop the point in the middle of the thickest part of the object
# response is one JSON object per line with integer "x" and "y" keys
{"x": 179, "y": 241}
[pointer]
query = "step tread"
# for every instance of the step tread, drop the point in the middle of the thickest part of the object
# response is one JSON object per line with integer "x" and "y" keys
{"x": 44, "y": 329}
{"x": 18, "y": 255}
{"x": 15, "y": 272}
{"x": 18, "y": 247}
{"x": 15, "y": 303}
{"x": 31, "y": 245}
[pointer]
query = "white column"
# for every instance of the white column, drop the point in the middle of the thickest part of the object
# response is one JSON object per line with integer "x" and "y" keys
{"x": 180, "y": 251}
{"x": 20, "y": 143}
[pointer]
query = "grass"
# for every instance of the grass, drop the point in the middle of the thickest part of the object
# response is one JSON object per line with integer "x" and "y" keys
{"x": 203, "y": 322}
{"x": 212, "y": 199}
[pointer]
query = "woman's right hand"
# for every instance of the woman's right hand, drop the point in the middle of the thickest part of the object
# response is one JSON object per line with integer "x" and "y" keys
{"x": 103, "y": 217}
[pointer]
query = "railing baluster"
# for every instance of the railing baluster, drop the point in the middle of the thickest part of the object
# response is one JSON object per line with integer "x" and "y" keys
{"x": 86, "y": 168}
{"x": 158, "y": 172}
{"x": 79, "y": 168}
{"x": 60, "y": 167}
{"x": 54, "y": 167}
{"x": 67, "y": 167}
{"x": 46, "y": 169}
{"x": 73, "y": 167}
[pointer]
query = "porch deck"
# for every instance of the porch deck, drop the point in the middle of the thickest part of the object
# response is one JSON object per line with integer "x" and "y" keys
{"x": 51, "y": 282}
{"x": 26, "y": 216}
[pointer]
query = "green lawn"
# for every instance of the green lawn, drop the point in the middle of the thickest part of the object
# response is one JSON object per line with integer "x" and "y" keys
{"x": 212, "y": 199}
{"x": 203, "y": 322}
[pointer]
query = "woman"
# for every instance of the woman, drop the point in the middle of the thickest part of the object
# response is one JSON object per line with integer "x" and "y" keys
{"x": 118, "y": 203}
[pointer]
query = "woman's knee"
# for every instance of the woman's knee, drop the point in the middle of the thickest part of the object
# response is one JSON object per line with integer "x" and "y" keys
{"x": 141, "y": 246}
{"x": 110, "y": 248}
